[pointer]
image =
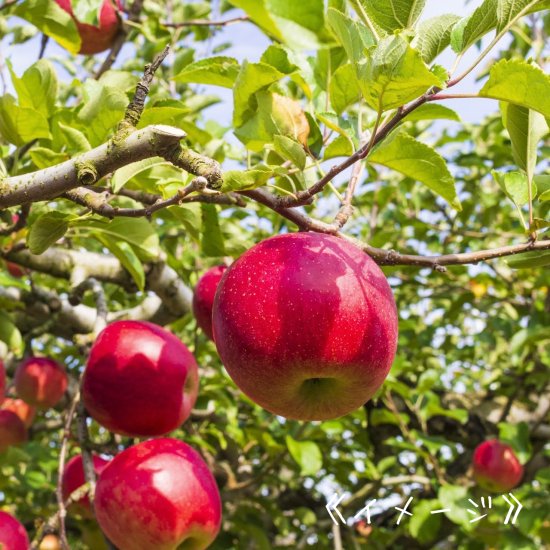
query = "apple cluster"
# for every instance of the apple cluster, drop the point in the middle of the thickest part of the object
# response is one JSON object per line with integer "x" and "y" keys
{"x": 306, "y": 326}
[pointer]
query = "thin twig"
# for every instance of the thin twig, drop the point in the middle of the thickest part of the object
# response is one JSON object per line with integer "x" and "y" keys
{"x": 206, "y": 22}
{"x": 20, "y": 223}
{"x": 61, "y": 469}
{"x": 136, "y": 106}
{"x": 98, "y": 202}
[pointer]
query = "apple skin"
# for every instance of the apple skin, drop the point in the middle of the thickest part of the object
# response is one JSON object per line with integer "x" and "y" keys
{"x": 203, "y": 298}
{"x": 40, "y": 381}
{"x": 306, "y": 325}
{"x": 12, "y": 534}
{"x": 140, "y": 379}
{"x": 2, "y": 382}
{"x": 14, "y": 270}
{"x": 12, "y": 430}
{"x": 496, "y": 467}
{"x": 158, "y": 494}
{"x": 73, "y": 478}
{"x": 96, "y": 39}
{"x": 23, "y": 410}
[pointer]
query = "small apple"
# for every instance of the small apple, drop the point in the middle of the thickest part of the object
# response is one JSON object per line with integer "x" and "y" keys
{"x": 23, "y": 410}
{"x": 2, "y": 382}
{"x": 73, "y": 478}
{"x": 496, "y": 467}
{"x": 203, "y": 298}
{"x": 140, "y": 379}
{"x": 12, "y": 534}
{"x": 50, "y": 542}
{"x": 12, "y": 430}
{"x": 14, "y": 270}
{"x": 40, "y": 381}
{"x": 306, "y": 325}
{"x": 96, "y": 39}
{"x": 158, "y": 494}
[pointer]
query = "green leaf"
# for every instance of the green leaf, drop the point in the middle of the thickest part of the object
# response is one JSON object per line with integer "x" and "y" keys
{"x": 432, "y": 111}
{"x": 515, "y": 186}
{"x": 392, "y": 15}
{"x": 517, "y": 436}
{"x": 472, "y": 27}
{"x": 46, "y": 230}
{"x": 424, "y": 525}
{"x": 103, "y": 109}
{"x": 297, "y": 24}
{"x": 499, "y": 14}
{"x": 543, "y": 187}
{"x": 19, "y": 125}
{"x": 212, "y": 241}
{"x": 344, "y": 88}
{"x": 138, "y": 232}
{"x": 529, "y": 260}
{"x": 75, "y": 140}
{"x": 252, "y": 78}
{"x": 44, "y": 157}
{"x": 521, "y": 83}
{"x": 526, "y": 129}
{"x": 351, "y": 34}
{"x": 123, "y": 175}
{"x": 87, "y": 11}
{"x": 218, "y": 71}
{"x": 394, "y": 74}
{"x": 52, "y": 20}
{"x": 10, "y": 334}
{"x": 339, "y": 147}
{"x": 37, "y": 88}
{"x": 239, "y": 180}
{"x": 455, "y": 498}
{"x": 434, "y": 35}
{"x": 527, "y": 337}
{"x": 416, "y": 160}
{"x": 291, "y": 150}
{"x": 126, "y": 256}
{"x": 189, "y": 215}
{"x": 306, "y": 454}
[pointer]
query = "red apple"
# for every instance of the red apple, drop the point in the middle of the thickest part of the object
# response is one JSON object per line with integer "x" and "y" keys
{"x": 496, "y": 467}
{"x": 23, "y": 410}
{"x": 40, "y": 381}
{"x": 99, "y": 38}
{"x": 2, "y": 382}
{"x": 203, "y": 298}
{"x": 306, "y": 325}
{"x": 73, "y": 478}
{"x": 12, "y": 430}
{"x": 158, "y": 494}
{"x": 140, "y": 379}
{"x": 14, "y": 270}
{"x": 12, "y": 534}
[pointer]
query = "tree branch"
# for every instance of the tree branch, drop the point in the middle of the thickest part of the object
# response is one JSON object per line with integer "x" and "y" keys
{"x": 206, "y": 22}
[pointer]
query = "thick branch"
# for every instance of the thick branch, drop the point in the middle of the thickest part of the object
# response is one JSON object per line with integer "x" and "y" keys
{"x": 89, "y": 167}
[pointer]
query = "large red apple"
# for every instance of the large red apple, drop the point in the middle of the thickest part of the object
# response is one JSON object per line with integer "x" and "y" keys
{"x": 203, "y": 298}
{"x": 158, "y": 494}
{"x": 40, "y": 382}
{"x": 12, "y": 430}
{"x": 306, "y": 325}
{"x": 73, "y": 478}
{"x": 12, "y": 534}
{"x": 23, "y": 410}
{"x": 140, "y": 379}
{"x": 99, "y": 38}
{"x": 496, "y": 467}
{"x": 2, "y": 382}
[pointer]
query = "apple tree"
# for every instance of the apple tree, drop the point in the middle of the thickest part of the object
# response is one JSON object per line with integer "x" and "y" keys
{"x": 365, "y": 184}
